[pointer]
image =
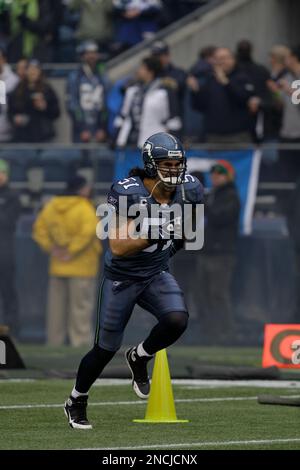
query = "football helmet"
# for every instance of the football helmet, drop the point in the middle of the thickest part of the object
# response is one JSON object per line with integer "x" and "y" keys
{"x": 159, "y": 148}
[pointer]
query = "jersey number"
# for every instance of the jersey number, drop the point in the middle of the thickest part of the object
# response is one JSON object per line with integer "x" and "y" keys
{"x": 126, "y": 183}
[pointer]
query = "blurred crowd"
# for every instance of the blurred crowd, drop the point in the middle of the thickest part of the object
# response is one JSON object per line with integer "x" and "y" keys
{"x": 225, "y": 97}
{"x": 50, "y": 30}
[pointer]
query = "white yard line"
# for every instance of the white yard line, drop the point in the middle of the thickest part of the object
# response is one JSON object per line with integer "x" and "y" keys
{"x": 121, "y": 403}
{"x": 139, "y": 402}
{"x": 194, "y": 384}
{"x": 203, "y": 444}
{"x": 208, "y": 383}
{"x": 4, "y": 380}
{"x": 191, "y": 383}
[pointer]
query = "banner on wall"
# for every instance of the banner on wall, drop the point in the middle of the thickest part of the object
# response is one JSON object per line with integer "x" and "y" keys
{"x": 245, "y": 162}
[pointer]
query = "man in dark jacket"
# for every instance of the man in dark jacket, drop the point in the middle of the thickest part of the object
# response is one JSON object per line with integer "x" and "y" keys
{"x": 263, "y": 106}
{"x": 160, "y": 49}
{"x": 258, "y": 73}
{"x": 216, "y": 265}
{"x": 9, "y": 212}
{"x": 204, "y": 64}
{"x": 223, "y": 97}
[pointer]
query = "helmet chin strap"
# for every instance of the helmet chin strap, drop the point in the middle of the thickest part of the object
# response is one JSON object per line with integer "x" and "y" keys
{"x": 153, "y": 189}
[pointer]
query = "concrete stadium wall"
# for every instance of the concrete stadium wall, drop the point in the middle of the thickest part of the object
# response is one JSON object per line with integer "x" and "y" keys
{"x": 265, "y": 22}
{"x": 63, "y": 123}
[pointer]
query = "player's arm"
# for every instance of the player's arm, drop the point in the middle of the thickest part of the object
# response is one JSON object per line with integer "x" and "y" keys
{"x": 120, "y": 242}
{"x": 179, "y": 244}
{"x": 195, "y": 195}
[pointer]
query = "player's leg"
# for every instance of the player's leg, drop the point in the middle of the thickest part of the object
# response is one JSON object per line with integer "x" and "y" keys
{"x": 166, "y": 332}
{"x": 164, "y": 299}
{"x": 115, "y": 305}
{"x": 168, "y": 329}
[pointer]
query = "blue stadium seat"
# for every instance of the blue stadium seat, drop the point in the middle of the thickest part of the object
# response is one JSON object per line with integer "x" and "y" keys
{"x": 20, "y": 161}
{"x": 58, "y": 164}
{"x": 103, "y": 163}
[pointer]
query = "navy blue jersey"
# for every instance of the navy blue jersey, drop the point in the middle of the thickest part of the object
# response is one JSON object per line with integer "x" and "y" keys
{"x": 155, "y": 258}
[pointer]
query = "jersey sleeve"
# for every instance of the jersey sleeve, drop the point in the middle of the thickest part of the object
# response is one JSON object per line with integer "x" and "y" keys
{"x": 194, "y": 191}
{"x": 123, "y": 194}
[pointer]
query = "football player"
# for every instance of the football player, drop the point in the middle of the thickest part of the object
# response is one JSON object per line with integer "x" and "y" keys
{"x": 136, "y": 271}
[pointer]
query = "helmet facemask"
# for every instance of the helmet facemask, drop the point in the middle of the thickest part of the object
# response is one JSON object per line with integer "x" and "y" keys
{"x": 171, "y": 176}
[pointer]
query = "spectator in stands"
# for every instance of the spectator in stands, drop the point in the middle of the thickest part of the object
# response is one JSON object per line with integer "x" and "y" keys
{"x": 136, "y": 20}
{"x": 176, "y": 75}
{"x": 31, "y": 29}
{"x": 204, "y": 64}
{"x": 95, "y": 21}
{"x": 11, "y": 80}
{"x": 290, "y": 129}
{"x": 174, "y": 10}
{"x": 4, "y": 25}
{"x": 223, "y": 97}
{"x": 66, "y": 229}
{"x": 273, "y": 112}
{"x": 259, "y": 75}
{"x": 86, "y": 97}
{"x": 216, "y": 265}
{"x": 33, "y": 107}
{"x": 149, "y": 106}
{"x": 278, "y": 56}
{"x": 198, "y": 74}
{"x": 9, "y": 213}
{"x": 21, "y": 68}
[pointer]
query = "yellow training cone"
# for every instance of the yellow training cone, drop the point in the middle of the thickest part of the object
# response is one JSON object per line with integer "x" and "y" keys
{"x": 161, "y": 406}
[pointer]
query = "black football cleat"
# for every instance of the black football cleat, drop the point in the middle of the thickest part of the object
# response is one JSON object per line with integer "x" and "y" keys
{"x": 75, "y": 411}
{"x": 138, "y": 369}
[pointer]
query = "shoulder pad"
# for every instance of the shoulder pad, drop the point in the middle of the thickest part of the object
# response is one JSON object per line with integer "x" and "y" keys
{"x": 130, "y": 188}
{"x": 194, "y": 190}
{"x": 130, "y": 185}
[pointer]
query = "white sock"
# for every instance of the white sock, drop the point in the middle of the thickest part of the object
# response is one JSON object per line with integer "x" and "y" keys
{"x": 141, "y": 351}
{"x": 76, "y": 394}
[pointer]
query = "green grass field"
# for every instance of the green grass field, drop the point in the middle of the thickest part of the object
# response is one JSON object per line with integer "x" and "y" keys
{"x": 226, "y": 416}
{"x": 213, "y": 424}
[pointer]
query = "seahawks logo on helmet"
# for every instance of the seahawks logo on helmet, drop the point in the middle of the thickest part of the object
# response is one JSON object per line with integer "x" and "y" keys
{"x": 148, "y": 148}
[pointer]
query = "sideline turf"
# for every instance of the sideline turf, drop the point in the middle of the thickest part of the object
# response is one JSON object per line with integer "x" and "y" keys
{"x": 113, "y": 427}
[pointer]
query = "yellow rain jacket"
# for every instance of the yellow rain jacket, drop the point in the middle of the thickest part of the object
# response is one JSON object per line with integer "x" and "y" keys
{"x": 70, "y": 222}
